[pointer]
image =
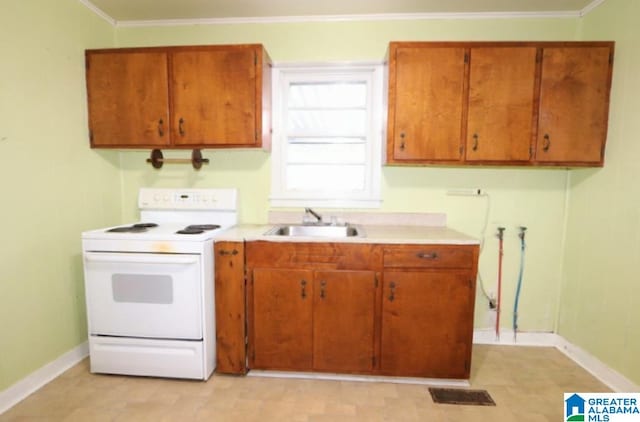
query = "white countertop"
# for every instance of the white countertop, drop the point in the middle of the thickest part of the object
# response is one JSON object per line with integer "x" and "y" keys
{"x": 392, "y": 234}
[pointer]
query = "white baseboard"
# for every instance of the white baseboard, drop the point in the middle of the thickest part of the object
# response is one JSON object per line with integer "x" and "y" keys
{"x": 488, "y": 336}
{"x": 611, "y": 378}
{"x": 34, "y": 381}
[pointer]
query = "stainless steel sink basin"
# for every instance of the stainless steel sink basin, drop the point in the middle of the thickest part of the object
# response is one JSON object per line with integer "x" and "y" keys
{"x": 316, "y": 230}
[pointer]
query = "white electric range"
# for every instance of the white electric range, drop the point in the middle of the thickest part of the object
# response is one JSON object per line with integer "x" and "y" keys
{"x": 150, "y": 288}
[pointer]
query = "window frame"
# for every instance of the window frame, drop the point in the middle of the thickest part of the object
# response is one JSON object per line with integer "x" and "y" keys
{"x": 285, "y": 74}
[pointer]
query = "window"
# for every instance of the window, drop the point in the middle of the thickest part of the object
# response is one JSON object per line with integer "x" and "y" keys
{"x": 327, "y": 136}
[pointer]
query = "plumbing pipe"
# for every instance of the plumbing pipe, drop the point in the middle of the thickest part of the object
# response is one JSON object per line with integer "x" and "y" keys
{"x": 519, "y": 286}
{"x": 500, "y": 255}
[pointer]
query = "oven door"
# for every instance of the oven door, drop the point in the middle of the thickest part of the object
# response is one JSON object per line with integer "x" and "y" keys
{"x": 144, "y": 295}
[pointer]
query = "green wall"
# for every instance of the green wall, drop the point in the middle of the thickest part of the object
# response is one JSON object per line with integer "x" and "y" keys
{"x": 600, "y": 299}
{"x": 531, "y": 197}
{"x": 52, "y": 185}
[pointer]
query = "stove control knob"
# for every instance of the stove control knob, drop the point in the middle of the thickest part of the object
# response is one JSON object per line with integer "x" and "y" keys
{"x": 166, "y": 198}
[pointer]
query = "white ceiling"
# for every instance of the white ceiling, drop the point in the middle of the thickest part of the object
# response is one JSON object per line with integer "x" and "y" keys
{"x": 122, "y": 12}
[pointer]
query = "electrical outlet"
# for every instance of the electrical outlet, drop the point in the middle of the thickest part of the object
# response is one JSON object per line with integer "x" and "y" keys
{"x": 465, "y": 192}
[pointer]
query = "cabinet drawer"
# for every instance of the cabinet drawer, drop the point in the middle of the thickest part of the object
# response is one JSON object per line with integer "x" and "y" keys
{"x": 312, "y": 255}
{"x": 429, "y": 256}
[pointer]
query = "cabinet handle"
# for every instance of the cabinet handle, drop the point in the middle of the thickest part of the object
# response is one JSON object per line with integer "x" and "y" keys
{"x": 181, "y": 126}
{"x": 323, "y": 285}
{"x": 431, "y": 255}
{"x": 546, "y": 143}
{"x": 392, "y": 291}
{"x": 161, "y": 127}
{"x": 402, "y": 136}
{"x": 303, "y": 291}
{"x": 475, "y": 142}
{"x": 233, "y": 252}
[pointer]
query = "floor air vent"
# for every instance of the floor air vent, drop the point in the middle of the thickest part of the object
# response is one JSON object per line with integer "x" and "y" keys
{"x": 460, "y": 396}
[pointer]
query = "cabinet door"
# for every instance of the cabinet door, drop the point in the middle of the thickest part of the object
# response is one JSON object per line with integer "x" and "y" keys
{"x": 427, "y": 323}
{"x": 501, "y": 98}
{"x": 214, "y": 96}
{"x": 426, "y": 87}
{"x": 128, "y": 98}
{"x": 343, "y": 321}
{"x": 574, "y": 104}
{"x": 231, "y": 357}
{"x": 282, "y": 319}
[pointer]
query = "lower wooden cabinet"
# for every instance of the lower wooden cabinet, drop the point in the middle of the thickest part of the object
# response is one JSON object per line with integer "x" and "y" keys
{"x": 398, "y": 310}
{"x": 313, "y": 320}
{"x": 230, "y": 299}
{"x": 343, "y": 321}
{"x": 282, "y": 319}
{"x": 427, "y": 323}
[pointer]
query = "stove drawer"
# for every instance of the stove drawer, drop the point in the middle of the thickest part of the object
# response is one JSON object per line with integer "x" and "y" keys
{"x": 144, "y": 295}
{"x": 156, "y": 358}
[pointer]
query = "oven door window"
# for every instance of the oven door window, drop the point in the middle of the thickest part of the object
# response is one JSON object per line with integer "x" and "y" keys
{"x": 142, "y": 288}
{"x": 144, "y": 295}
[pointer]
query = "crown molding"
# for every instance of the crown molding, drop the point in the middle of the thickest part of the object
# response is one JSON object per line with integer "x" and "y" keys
{"x": 95, "y": 9}
{"x": 589, "y": 8}
{"x": 342, "y": 18}
{"x": 349, "y": 18}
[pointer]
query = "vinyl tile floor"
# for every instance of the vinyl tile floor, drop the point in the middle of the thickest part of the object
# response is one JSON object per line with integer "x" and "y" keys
{"x": 527, "y": 384}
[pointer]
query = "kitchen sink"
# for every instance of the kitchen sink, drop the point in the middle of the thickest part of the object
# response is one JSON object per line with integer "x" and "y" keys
{"x": 316, "y": 230}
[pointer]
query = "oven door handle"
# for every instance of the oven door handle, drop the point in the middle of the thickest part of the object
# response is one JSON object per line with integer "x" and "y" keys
{"x": 141, "y": 258}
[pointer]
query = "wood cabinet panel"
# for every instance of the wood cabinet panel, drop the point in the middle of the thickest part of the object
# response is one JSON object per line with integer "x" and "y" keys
{"x": 214, "y": 97}
{"x": 427, "y": 323}
{"x": 309, "y": 311}
{"x": 179, "y": 97}
{"x": 313, "y": 255}
{"x": 230, "y": 300}
{"x": 282, "y": 319}
{"x": 501, "y": 103}
{"x": 498, "y": 103}
{"x": 343, "y": 321}
{"x": 128, "y": 99}
{"x": 574, "y": 104}
{"x": 426, "y": 97}
{"x": 429, "y": 256}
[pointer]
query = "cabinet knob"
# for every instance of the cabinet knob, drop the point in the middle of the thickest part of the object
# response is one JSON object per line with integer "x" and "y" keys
{"x": 303, "y": 290}
{"x": 181, "y": 126}
{"x": 475, "y": 142}
{"x": 392, "y": 291}
{"x": 161, "y": 127}
{"x": 323, "y": 285}
{"x": 402, "y": 144}
{"x": 224, "y": 253}
{"x": 546, "y": 143}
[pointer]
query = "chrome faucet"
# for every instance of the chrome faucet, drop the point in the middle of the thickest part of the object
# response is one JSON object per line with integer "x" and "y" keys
{"x": 317, "y": 216}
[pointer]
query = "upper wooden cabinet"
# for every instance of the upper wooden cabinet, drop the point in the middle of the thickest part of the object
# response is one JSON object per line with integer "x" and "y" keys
{"x": 498, "y": 103}
{"x": 179, "y": 97}
{"x": 574, "y": 104}
{"x": 425, "y": 103}
{"x": 501, "y": 103}
{"x": 128, "y": 98}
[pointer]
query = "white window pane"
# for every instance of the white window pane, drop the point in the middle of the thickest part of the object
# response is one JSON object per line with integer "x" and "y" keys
{"x": 335, "y": 178}
{"x": 328, "y": 95}
{"x": 327, "y": 122}
{"x": 327, "y": 153}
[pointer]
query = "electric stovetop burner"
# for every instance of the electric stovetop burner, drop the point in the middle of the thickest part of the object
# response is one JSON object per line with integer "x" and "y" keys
{"x": 135, "y": 228}
{"x": 198, "y": 228}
